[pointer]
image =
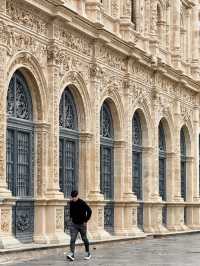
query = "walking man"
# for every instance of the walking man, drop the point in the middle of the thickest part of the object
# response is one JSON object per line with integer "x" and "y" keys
{"x": 80, "y": 214}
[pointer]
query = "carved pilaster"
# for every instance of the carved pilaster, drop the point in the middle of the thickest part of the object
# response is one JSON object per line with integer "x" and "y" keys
{"x": 96, "y": 73}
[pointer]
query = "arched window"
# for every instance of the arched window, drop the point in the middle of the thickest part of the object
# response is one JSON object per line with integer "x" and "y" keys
{"x": 137, "y": 156}
{"x": 68, "y": 144}
{"x": 162, "y": 162}
{"x": 106, "y": 164}
{"x": 183, "y": 164}
{"x": 20, "y": 156}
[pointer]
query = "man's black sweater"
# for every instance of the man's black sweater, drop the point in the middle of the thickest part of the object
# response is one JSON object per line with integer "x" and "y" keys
{"x": 80, "y": 212}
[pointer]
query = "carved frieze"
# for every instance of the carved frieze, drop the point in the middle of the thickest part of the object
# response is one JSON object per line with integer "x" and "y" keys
{"x": 175, "y": 90}
{"x": 17, "y": 41}
{"x": 142, "y": 73}
{"x": 28, "y": 18}
{"x": 74, "y": 40}
{"x": 111, "y": 58}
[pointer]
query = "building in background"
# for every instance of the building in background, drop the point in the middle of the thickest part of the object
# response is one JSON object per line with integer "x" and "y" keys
{"x": 102, "y": 96}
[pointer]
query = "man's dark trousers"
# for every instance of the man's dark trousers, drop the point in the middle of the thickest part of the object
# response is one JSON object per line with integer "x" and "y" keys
{"x": 74, "y": 230}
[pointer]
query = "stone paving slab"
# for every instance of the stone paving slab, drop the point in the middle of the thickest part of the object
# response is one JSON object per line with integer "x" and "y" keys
{"x": 170, "y": 251}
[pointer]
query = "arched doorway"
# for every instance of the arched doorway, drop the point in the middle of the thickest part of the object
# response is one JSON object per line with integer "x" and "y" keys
{"x": 137, "y": 165}
{"x": 20, "y": 156}
{"x": 68, "y": 148}
{"x": 107, "y": 165}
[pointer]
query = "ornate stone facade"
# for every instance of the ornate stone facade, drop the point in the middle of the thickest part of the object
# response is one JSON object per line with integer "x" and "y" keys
{"x": 135, "y": 67}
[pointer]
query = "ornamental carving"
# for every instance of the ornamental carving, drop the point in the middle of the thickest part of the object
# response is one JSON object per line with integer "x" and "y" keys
{"x": 73, "y": 40}
{"x": 111, "y": 83}
{"x": 115, "y": 8}
{"x": 142, "y": 73}
{"x": 140, "y": 94}
{"x": 127, "y": 8}
{"x": 186, "y": 113}
{"x": 96, "y": 71}
{"x": 164, "y": 104}
{"x": 19, "y": 42}
{"x": 175, "y": 90}
{"x": 134, "y": 216}
{"x": 153, "y": 16}
{"x": 100, "y": 217}
{"x": 21, "y": 15}
{"x": 67, "y": 62}
{"x": 111, "y": 58}
{"x": 5, "y": 219}
{"x": 59, "y": 219}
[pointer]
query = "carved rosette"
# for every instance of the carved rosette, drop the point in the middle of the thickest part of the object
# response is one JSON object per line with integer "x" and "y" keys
{"x": 5, "y": 220}
{"x": 59, "y": 219}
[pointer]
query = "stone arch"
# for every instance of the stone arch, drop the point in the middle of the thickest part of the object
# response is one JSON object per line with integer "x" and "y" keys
{"x": 78, "y": 88}
{"x": 146, "y": 122}
{"x": 188, "y": 136}
{"x": 144, "y": 126}
{"x": 31, "y": 70}
{"x": 117, "y": 111}
{"x": 168, "y": 133}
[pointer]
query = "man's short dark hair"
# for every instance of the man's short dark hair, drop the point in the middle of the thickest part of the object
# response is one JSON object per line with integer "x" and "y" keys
{"x": 74, "y": 193}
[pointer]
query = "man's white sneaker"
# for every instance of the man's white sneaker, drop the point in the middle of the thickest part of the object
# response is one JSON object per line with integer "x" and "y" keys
{"x": 70, "y": 256}
{"x": 88, "y": 256}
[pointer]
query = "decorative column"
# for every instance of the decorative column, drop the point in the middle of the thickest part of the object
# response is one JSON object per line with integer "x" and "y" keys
{"x": 195, "y": 39}
{"x": 41, "y": 151}
{"x": 194, "y": 210}
{"x": 95, "y": 198}
{"x": 55, "y": 199}
{"x": 85, "y": 178}
{"x": 176, "y": 9}
{"x": 6, "y": 200}
{"x": 127, "y": 27}
{"x": 176, "y": 209}
{"x": 93, "y": 11}
{"x": 131, "y": 205}
{"x": 153, "y": 28}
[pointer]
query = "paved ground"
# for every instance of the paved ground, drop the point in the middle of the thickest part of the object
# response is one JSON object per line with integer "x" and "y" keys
{"x": 171, "y": 251}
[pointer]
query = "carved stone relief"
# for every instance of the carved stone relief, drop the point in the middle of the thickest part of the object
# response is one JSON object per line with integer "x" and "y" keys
{"x": 127, "y": 8}
{"x": 111, "y": 58}
{"x": 134, "y": 216}
{"x": 59, "y": 219}
{"x": 142, "y": 73}
{"x": 115, "y": 8}
{"x": 100, "y": 217}
{"x": 74, "y": 40}
{"x": 30, "y": 19}
{"x": 5, "y": 220}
